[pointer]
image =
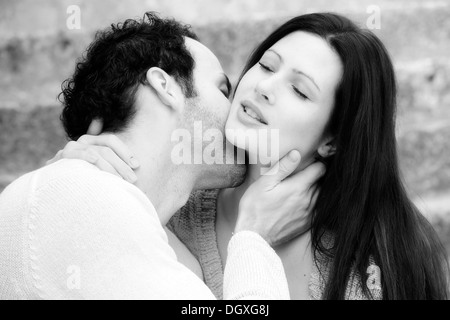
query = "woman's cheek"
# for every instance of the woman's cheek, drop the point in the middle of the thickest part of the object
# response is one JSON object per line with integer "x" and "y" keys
{"x": 296, "y": 134}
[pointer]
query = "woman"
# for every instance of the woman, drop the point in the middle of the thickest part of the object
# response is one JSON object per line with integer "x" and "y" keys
{"x": 329, "y": 88}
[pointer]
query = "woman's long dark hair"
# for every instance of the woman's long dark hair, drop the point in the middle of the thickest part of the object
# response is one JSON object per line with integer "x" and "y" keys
{"x": 362, "y": 200}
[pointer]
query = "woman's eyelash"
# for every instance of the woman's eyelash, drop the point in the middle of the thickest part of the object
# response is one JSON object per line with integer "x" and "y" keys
{"x": 298, "y": 92}
{"x": 264, "y": 67}
{"x": 301, "y": 94}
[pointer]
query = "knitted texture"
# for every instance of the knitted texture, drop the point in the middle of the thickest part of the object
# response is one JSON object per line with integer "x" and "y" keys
{"x": 194, "y": 224}
{"x": 261, "y": 278}
{"x": 71, "y": 231}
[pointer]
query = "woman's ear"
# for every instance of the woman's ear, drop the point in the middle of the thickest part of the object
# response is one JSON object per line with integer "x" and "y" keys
{"x": 165, "y": 87}
{"x": 327, "y": 148}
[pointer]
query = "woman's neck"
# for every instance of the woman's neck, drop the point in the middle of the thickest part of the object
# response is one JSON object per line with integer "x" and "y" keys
{"x": 228, "y": 208}
{"x": 229, "y": 199}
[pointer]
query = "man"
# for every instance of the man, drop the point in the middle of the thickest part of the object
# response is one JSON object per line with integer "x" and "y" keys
{"x": 70, "y": 231}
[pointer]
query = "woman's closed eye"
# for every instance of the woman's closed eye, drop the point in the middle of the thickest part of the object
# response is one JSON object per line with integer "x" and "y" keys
{"x": 296, "y": 90}
{"x": 299, "y": 93}
{"x": 265, "y": 67}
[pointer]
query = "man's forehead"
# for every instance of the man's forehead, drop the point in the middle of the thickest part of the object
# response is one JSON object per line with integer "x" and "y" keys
{"x": 203, "y": 56}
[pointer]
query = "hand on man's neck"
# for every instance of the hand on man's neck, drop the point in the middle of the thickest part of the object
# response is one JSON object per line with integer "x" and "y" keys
{"x": 166, "y": 184}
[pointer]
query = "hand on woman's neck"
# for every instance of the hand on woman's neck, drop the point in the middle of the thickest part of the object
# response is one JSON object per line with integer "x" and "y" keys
{"x": 228, "y": 200}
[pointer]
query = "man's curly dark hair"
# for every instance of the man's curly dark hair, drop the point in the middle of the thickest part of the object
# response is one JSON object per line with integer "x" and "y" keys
{"x": 115, "y": 64}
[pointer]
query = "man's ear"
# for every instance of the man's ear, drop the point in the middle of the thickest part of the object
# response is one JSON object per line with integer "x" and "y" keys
{"x": 165, "y": 87}
{"x": 96, "y": 127}
{"x": 327, "y": 148}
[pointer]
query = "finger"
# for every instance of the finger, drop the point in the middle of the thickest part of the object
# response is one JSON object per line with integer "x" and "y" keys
{"x": 115, "y": 144}
{"x": 283, "y": 168}
{"x": 90, "y": 155}
{"x": 80, "y": 154}
{"x": 314, "y": 194}
{"x": 103, "y": 165}
{"x": 96, "y": 127}
{"x": 118, "y": 164}
{"x": 308, "y": 176}
{"x": 70, "y": 150}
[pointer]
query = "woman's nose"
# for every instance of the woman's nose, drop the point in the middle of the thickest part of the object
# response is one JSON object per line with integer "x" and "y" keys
{"x": 264, "y": 91}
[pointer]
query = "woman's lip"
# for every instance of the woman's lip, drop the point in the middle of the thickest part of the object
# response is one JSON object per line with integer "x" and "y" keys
{"x": 246, "y": 119}
{"x": 250, "y": 105}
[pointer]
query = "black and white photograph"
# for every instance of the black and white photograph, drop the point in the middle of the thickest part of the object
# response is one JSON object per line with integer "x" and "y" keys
{"x": 197, "y": 150}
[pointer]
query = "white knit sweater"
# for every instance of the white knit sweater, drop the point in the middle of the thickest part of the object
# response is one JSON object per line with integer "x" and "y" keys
{"x": 70, "y": 231}
{"x": 194, "y": 224}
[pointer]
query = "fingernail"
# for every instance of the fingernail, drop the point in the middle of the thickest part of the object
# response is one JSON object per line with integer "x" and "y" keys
{"x": 134, "y": 163}
{"x": 294, "y": 155}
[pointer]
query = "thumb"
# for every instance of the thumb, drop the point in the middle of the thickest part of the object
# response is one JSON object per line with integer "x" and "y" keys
{"x": 283, "y": 168}
{"x": 96, "y": 127}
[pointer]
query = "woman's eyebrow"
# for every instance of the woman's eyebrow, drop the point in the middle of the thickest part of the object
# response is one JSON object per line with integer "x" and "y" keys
{"x": 295, "y": 70}
{"x": 307, "y": 76}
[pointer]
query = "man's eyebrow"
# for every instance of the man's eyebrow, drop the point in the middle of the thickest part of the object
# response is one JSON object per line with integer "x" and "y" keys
{"x": 295, "y": 70}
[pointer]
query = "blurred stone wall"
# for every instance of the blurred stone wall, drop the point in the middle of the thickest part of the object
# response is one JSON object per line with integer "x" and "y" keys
{"x": 38, "y": 51}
